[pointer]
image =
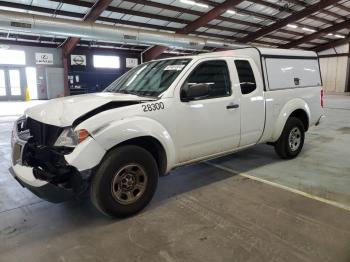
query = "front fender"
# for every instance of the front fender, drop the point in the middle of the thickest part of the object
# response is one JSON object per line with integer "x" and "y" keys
{"x": 284, "y": 114}
{"x": 114, "y": 133}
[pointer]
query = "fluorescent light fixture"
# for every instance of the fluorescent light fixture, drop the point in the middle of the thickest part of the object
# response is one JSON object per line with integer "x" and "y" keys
{"x": 190, "y": 2}
{"x": 340, "y": 36}
{"x": 231, "y": 12}
{"x": 104, "y": 61}
{"x": 292, "y": 26}
{"x": 330, "y": 34}
{"x": 308, "y": 29}
{"x": 202, "y": 5}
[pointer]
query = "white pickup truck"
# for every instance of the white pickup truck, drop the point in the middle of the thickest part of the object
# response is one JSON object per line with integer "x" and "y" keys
{"x": 161, "y": 115}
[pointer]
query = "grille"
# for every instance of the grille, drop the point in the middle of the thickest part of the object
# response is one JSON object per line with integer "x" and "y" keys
{"x": 43, "y": 134}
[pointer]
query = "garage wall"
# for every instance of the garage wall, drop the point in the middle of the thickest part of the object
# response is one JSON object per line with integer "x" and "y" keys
{"x": 40, "y": 68}
{"x": 93, "y": 79}
{"x": 334, "y": 70}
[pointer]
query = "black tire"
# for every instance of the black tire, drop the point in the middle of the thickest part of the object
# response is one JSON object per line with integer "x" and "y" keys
{"x": 286, "y": 149}
{"x": 102, "y": 192}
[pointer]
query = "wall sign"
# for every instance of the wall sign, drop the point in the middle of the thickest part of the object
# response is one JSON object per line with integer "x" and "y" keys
{"x": 79, "y": 60}
{"x": 44, "y": 58}
{"x": 131, "y": 62}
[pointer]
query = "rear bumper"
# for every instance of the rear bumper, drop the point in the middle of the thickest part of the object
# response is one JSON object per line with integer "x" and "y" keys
{"x": 45, "y": 190}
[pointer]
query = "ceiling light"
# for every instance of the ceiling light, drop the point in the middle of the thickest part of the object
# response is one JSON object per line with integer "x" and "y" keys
{"x": 292, "y": 26}
{"x": 330, "y": 34}
{"x": 190, "y": 2}
{"x": 308, "y": 29}
{"x": 202, "y": 5}
{"x": 231, "y": 12}
{"x": 340, "y": 36}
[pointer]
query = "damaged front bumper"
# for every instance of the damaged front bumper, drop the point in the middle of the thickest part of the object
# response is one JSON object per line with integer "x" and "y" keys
{"x": 53, "y": 174}
{"x": 44, "y": 190}
{"x": 45, "y": 173}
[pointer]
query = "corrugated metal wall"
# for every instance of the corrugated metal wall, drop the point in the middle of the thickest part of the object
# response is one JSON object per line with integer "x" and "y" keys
{"x": 334, "y": 70}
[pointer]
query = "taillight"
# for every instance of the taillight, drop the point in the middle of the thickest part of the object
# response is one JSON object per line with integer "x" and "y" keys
{"x": 322, "y": 97}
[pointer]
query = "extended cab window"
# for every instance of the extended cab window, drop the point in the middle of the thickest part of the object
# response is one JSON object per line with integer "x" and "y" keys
{"x": 246, "y": 76}
{"x": 214, "y": 74}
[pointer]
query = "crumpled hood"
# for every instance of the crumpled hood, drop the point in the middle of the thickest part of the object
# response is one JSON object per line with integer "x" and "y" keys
{"x": 64, "y": 111}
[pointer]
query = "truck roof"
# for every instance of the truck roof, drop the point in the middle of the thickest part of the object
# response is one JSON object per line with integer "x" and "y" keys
{"x": 256, "y": 52}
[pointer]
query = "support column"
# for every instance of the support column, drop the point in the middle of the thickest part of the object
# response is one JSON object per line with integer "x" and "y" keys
{"x": 65, "y": 75}
{"x": 347, "y": 86}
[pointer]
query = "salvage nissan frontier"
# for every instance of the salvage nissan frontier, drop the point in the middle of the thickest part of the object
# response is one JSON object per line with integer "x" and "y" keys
{"x": 165, "y": 114}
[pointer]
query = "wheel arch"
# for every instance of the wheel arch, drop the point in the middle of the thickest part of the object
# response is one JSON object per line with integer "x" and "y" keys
{"x": 302, "y": 116}
{"x": 144, "y": 132}
{"x": 153, "y": 146}
{"x": 294, "y": 108}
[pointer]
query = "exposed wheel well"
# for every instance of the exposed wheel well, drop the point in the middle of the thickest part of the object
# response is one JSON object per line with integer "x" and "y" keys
{"x": 153, "y": 146}
{"x": 301, "y": 114}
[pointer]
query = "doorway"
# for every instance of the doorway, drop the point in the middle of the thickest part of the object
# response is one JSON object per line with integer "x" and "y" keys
{"x": 12, "y": 83}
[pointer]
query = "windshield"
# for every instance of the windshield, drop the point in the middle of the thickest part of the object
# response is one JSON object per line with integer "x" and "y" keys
{"x": 150, "y": 79}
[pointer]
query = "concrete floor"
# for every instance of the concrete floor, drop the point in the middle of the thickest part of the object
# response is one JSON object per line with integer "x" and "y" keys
{"x": 200, "y": 212}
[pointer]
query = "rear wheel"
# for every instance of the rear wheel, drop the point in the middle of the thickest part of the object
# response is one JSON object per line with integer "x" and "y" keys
{"x": 125, "y": 182}
{"x": 291, "y": 141}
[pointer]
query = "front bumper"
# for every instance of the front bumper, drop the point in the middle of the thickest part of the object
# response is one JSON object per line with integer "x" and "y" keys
{"x": 45, "y": 190}
{"x": 44, "y": 171}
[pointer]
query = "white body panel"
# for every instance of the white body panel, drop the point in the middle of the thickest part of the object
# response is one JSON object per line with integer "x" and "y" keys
{"x": 283, "y": 73}
{"x": 205, "y": 127}
{"x": 86, "y": 155}
{"x": 25, "y": 174}
{"x": 63, "y": 111}
{"x": 252, "y": 108}
{"x": 196, "y": 130}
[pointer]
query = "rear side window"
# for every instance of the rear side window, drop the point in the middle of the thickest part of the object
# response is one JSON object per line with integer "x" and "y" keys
{"x": 213, "y": 73}
{"x": 246, "y": 76}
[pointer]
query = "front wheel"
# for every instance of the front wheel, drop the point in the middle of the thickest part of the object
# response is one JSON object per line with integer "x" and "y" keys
{"x": 125, "y": 182}
{"x": 291, "y": 141}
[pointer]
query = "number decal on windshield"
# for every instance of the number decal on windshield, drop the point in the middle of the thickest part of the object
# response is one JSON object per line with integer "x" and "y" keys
{"x": 153, "y": 107}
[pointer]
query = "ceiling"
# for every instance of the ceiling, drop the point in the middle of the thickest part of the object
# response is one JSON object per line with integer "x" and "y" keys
{"x": 309, "y": 28}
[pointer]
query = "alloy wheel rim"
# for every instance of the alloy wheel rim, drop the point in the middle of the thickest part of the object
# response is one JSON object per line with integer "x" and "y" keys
{"x": 129, "y": 184}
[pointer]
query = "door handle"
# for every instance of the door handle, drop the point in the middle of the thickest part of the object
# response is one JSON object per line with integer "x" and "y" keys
{"x": 232, "y": 106}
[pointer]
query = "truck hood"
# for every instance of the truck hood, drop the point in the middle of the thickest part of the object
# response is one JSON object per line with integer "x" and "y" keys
{"x": 64, "y": 111}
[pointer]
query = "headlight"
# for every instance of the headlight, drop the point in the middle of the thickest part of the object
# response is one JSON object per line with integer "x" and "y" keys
{"x": 19, "y": 127}
{"x": 71, "y": 138}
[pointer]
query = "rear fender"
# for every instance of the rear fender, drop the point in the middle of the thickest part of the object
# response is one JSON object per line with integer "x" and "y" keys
{"x": 284, "y": 114}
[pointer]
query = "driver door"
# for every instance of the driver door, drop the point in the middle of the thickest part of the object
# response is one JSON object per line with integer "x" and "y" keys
{"x": 208, "y": 125}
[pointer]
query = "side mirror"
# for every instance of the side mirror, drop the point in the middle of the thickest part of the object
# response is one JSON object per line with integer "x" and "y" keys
{"x": 193, "y": 92}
